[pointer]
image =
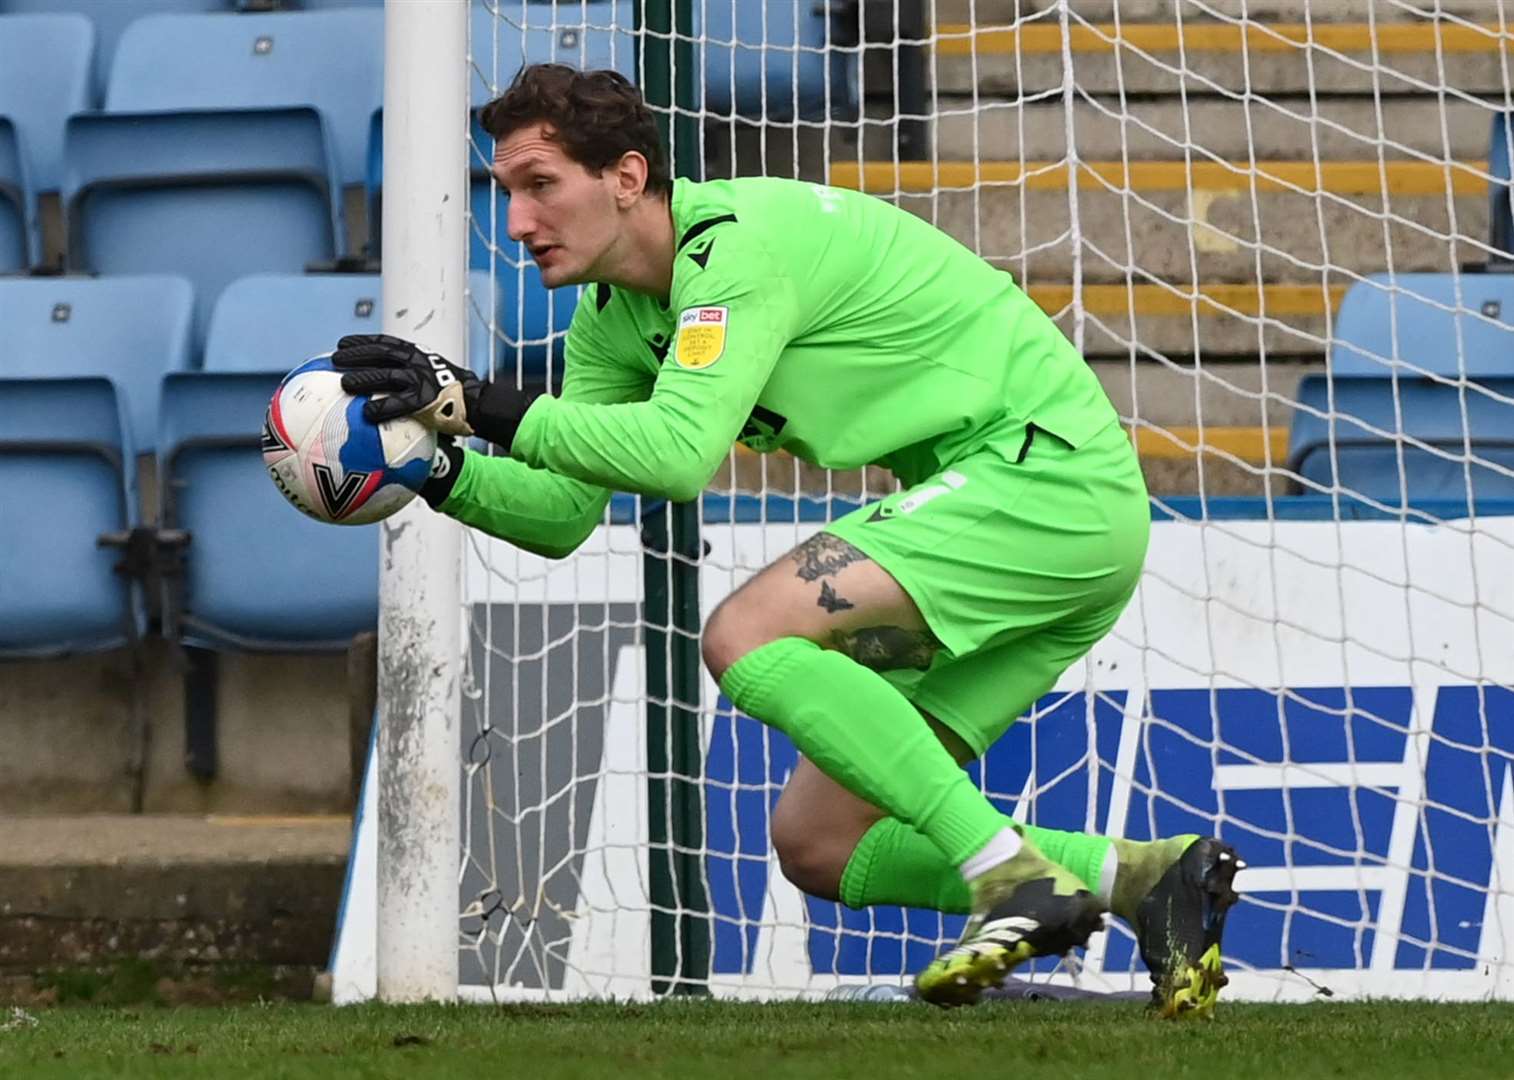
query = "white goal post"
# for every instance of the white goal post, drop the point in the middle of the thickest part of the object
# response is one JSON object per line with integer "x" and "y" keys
{"x": 417, "y": 781}
{"x": 1253, "y": 215}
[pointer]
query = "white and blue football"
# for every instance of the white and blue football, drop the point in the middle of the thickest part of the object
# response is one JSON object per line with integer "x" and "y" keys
{"x": 331, "y": 463}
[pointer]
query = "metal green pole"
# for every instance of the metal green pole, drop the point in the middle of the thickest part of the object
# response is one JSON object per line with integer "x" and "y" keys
{"x": 672, "y": 548}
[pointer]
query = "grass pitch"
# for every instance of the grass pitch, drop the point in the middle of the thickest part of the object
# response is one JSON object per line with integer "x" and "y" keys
{"x": 696, "y": 1039}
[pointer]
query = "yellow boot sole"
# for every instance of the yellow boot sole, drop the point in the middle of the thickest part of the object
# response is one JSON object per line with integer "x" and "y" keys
{"x": 1193, "y": 996}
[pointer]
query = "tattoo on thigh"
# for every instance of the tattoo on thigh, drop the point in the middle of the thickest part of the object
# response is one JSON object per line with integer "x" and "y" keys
{"x": 824, "y": 554}
{"x": 830, "y": 601}
{"x": 887, "y": 648}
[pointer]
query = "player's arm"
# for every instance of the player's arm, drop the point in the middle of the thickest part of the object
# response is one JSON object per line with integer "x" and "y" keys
{"x": 540, "y": 511}
{"x": 734, "y": 319}
{"x": 533, "y": 509}
{"x": 735, "y": 316}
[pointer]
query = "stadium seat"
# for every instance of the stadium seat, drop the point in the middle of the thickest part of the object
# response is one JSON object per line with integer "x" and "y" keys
{"x": 271, "y": 322}
{"x": 597, "y": 34}
{"x": 770, "y": 61}
{"x": 532, "y": 318}
{"x": 110, "y": 18}
{"x": 131, "y": 330}
{"x": 1374, "y": 420}
{"x": 331, "y": 61}
{"x": 45, "y": 76}
{"x": 66, "y": 485}
{"x": 1403, "y": 345}
{"x": 1426, "y": 324}
{"x": 592, "y": 34}
{"x": 19, "y": 242}
{"x": 1500, "y": 191}
{"x": 314, "y": 586}
{"x": 315, "y": 5}
{"x": 210, "y": 195}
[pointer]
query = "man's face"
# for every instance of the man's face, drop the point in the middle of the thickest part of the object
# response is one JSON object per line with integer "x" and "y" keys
{"x": 566, "y": 217}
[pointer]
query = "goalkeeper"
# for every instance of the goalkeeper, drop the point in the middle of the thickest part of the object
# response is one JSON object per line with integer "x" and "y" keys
{"x": 904, "y": 639}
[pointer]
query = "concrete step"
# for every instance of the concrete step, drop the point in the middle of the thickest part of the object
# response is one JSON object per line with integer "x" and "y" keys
{"x": 1157, "y": 322}
{"x": 89, "y": 891}
{"x": 1326, "y": 129}
{"x": 1179, "y": 459}
{"x": 1222, "y": 58}
{"x": 1319, "y": 11}
{"x": 1181, "y": 223}
{"x": 1218, "y": 425}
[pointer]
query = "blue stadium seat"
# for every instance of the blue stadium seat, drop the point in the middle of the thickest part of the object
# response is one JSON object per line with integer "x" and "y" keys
{"x": 598, "y": 34}
{"x": 111, "y": 18}
{"x": 323, "y": 5}
{"x": 131, "y": 330}
{"x": 65, "y": 485}
{"x": 1373, "y": 418}
{"x": 1500, "y": 191}
{"x": 1403, "y": 344}
{"x": 532, "y": 318}
{"x": 1442, "y": 324}
{"x": 331, "y": 61}
{"x": 314, "y": 586}
{"x": 210, "y": 195}
{"x": 19, "y": 241}
{"x": 593, "y": 34}
{"x": 45, "y": 76}
{"x": 772, "y": 61}
{"x": 271, "y": 322}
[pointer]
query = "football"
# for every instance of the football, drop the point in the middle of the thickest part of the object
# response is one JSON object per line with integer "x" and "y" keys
{"x": 332, "y": 464}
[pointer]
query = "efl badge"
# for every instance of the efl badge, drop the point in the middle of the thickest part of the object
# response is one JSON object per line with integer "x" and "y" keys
{"x": 701, "y": 337}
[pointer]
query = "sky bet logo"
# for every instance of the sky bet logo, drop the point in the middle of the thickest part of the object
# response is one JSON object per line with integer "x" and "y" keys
{"x": 1340, "y": 802}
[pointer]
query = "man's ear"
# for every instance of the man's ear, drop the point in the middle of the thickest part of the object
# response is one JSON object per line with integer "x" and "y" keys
{"x": 630, "y": 178}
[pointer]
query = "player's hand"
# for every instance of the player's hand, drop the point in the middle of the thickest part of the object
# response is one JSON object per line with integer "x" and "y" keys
{"x": 446, "y": 398}
{"x": 415, "y": 383}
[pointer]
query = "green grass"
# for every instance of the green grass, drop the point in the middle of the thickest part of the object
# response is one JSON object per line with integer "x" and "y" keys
{"x": 725, "y": 1040}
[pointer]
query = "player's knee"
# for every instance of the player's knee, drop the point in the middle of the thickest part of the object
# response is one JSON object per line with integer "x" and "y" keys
{"x": 806, "y": 855}
{"x": 729, "y": 634}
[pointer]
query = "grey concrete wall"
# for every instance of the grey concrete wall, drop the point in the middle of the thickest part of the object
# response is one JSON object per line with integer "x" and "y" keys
{"x": 66, "y": 736}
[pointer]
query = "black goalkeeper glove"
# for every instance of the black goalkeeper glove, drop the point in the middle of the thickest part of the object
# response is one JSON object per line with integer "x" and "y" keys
{"x": 446, "y": 398}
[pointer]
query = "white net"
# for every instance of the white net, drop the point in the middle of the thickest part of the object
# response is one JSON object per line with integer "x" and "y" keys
{"x": 1265, "y": 224}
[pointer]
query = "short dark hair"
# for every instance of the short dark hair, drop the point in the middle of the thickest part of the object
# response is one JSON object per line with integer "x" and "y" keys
{"x": 596, "y": 116}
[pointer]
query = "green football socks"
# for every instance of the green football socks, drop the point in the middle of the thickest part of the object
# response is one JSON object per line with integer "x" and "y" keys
{"x": 1083, "y": 854}
{"x": 862, "y": 733}
{"x": 895, "y": 864}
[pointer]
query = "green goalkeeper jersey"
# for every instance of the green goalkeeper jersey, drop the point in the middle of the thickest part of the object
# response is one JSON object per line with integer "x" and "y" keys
{"x": 812, "y": 319}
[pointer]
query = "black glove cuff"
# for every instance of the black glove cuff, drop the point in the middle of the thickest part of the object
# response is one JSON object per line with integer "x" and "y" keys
{"x": 497, "y": 413}
{"x": 446, "y": 467}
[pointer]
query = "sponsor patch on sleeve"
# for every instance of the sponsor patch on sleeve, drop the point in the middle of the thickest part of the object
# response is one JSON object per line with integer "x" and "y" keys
{"x": 701, "y": 337}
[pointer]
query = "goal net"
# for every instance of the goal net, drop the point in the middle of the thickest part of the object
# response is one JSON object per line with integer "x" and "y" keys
{"x": 1277, "y": 229}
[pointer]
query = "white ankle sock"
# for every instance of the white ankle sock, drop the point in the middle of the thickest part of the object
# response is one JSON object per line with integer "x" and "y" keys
{"x": 1004, "y": 846}
{"x": 1108, "y": 871}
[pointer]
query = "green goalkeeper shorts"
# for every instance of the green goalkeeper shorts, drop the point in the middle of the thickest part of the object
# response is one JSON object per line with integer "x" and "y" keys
{"x": 1018, "y": 565}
